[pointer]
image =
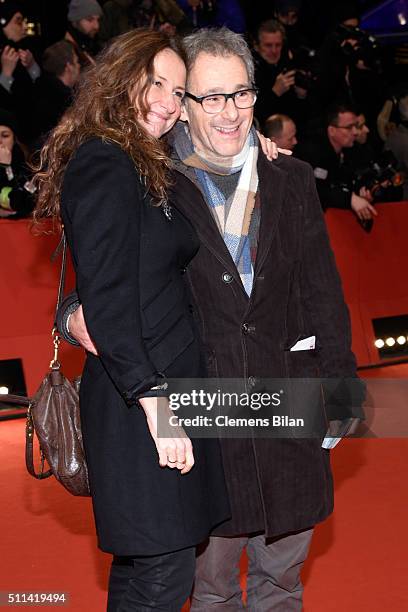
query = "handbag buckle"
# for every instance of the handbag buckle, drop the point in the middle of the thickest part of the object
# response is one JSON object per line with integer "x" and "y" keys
{"x": 54, "y": 363}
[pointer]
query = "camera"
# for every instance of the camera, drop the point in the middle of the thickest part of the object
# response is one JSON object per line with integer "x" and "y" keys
{"x": 379, "y": 176}
{"x": 304, "y": 64}
{"x": 365, "y": 48}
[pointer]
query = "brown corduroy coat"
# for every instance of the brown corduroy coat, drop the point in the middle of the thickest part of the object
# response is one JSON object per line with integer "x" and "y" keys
{"x": 275, "y": 485}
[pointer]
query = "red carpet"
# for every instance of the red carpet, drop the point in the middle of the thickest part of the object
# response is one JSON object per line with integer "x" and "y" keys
{"x": 357, "y": 562}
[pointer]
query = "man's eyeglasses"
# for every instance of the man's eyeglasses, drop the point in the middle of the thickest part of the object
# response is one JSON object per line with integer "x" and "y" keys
{"x": 215, "y": 103}
{"x": 347, "y": 127}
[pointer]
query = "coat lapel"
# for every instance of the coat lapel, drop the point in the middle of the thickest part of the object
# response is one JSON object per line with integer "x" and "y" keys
{"x": 192, "y": 204}
{"x": 272, "y": 180}
{"x": 195, "y": 208}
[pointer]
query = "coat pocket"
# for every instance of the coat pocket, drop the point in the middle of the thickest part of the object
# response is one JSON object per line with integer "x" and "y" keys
{"x": 177, "y": 339}
{"x": 162, "y": 304}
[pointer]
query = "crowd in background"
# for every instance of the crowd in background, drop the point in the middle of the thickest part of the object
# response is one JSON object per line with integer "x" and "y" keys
{"x": 326, "y": 89}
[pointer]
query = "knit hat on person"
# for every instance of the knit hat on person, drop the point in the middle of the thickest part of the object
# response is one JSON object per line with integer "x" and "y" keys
{"x": 8, "y": 119}
{"x": 8, "y": 8}
{"x": 80, "y": 9}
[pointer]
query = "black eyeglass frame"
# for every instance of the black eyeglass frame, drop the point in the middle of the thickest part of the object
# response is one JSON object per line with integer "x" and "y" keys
{"x": 200, "y": 99}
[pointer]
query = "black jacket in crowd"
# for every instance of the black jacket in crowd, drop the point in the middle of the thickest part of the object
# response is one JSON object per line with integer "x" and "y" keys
{"x": 268, "y": 103}
{"x": 334, "y": 178}
{"x": 51, "y": 99}
{"x": 16, "y": 180}
{"x": 20, "y": 99}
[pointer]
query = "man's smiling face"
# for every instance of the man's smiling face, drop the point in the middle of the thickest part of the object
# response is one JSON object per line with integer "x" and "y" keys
{"x": 223, "y": 133}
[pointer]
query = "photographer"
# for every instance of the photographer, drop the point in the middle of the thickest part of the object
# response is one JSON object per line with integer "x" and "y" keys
{"x": 19, "y": 70}
{"x": 349, "y": 66}
{"x": 16, "y": 190}
{"x": 54, "y": 88}
{"x": 373, "y": 168}
{"x": 334, "y": 178}
{"x": 275, "y": 76}
{"x": 287, "y": 12}
{"x": 83, "y": 28}
{"x": 214, "y": 13}
{"x": 281, "y": 130}
{"x": 397, "y": 140}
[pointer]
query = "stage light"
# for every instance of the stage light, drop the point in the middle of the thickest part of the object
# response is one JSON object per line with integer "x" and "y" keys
{"x": 4, "y": 390}
{"x": 401, "y": 340}
{"x": 390, "y": 342}
{"x": 379, "y": 343}
{"x": 402, "y": 19}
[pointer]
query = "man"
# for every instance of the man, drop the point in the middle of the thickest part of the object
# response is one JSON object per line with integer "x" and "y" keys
{"x": 287, "y": 13}
{"x": 53, "y": 90}
{"x": 349, "y": 65}
{"x": 325, "y": 152}
{"x": 275, "y": 76}
{"x": 206, "y": 13}
{"x": 252, "y": 305}
{"x": 18, "y": 67}
{"x": 397, "y": 140}
{"x": 84, "y": 23}
{"x": 282, "y": 130}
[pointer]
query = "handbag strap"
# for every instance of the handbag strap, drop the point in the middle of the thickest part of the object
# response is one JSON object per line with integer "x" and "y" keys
{"x": 30, "y": 449}
{"x": 54, "y": 365}
{"x": 61, "y": 285}
{"x": 14, "y": 399}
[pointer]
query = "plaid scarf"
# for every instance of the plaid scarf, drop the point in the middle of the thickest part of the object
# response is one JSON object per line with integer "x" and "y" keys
{"x": 232, "y": 215}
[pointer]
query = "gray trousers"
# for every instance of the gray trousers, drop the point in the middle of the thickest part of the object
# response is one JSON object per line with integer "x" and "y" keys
{"x": 273, "y": 582}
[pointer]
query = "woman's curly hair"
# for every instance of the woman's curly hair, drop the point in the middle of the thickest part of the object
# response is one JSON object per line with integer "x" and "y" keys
{"x": 103, "y": 108}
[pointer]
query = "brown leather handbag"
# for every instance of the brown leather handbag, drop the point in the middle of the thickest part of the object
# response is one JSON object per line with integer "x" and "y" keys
{"x": 53, "y": 414}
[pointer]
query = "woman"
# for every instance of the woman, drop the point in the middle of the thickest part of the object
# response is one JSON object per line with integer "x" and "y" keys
{"x": 105, "y": 174}
{"x": 16, "y": 189}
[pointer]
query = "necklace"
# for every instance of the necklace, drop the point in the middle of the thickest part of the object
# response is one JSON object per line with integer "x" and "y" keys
{"x": 167, "y": 210}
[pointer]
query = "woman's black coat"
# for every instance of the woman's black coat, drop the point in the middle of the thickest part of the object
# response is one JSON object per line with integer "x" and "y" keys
{"x": 128, "y": 258}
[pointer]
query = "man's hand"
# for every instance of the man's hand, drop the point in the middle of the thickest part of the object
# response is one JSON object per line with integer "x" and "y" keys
{"x": 175, "y": 450}
{"x": 9, "y": 59}
{"x": 26, "y": 58}
{"x": 284, "y": 82}
{"x": 79, "y": 331}
{"x": 362, "y": 207}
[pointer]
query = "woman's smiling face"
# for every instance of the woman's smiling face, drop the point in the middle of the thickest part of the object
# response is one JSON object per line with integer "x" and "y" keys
{"x": 165, "y": 94}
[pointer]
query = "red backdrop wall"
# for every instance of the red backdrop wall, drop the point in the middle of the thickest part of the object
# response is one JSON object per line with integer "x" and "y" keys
{"x": 373, "y": 268}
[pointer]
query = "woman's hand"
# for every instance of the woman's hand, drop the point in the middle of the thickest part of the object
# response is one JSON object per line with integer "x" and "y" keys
{"x": 175, "y": 450}
{"x": 270, "y": 149}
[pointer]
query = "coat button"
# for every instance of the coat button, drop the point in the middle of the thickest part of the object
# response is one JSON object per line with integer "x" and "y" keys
{"x": 251, "y": 381}
{"x": 248, "y": 328}
{"x": 227, "y": 277}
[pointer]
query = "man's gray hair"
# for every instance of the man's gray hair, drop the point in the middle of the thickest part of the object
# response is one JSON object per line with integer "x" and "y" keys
{"x": 219, "y": 42}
